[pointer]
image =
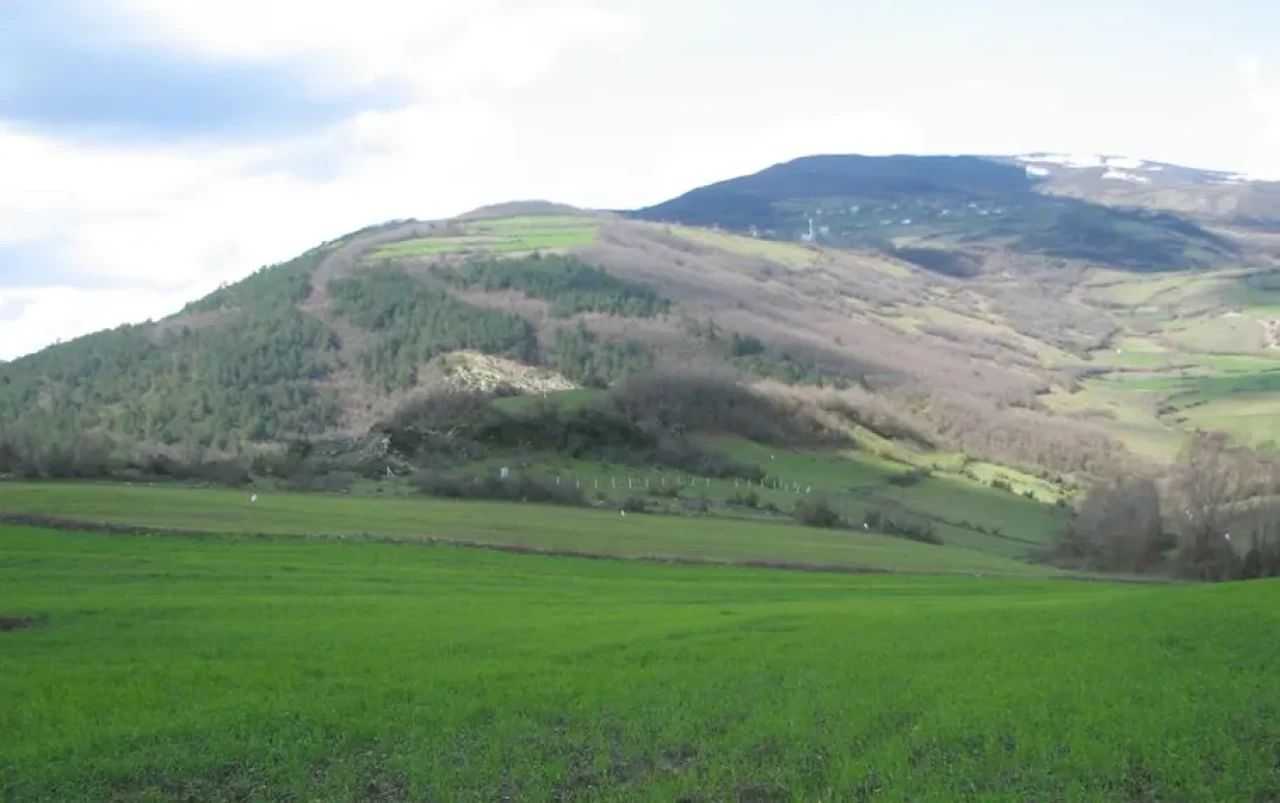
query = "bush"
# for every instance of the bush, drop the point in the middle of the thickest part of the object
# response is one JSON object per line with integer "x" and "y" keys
{"x": 634, "y": 504}
{"x": 914, "y": 528}
{"x": 672, "y": 492}
{"x": 513, "y": 489}
{"x": 908, "y": 478}
{"x": 751, "y": 499}
{"x": 816, "y": 511}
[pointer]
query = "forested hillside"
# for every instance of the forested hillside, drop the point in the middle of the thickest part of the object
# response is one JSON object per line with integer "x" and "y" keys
{"x": 977, "y": 332}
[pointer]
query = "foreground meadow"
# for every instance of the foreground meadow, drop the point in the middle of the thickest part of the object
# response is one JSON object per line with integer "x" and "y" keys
{"x": 218, "y": 669}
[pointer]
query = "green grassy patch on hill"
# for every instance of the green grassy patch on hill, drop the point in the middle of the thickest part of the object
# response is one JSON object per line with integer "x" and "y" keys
{"x": 242, "y": 669}
{"x": 593, "y": 531}
{"x": 792, "y": 255}
{"x": 501, "y": 236}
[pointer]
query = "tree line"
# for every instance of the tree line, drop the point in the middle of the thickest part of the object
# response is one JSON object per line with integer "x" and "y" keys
{"x": 568, "y": 283}
{"x": 1214, "y": 515}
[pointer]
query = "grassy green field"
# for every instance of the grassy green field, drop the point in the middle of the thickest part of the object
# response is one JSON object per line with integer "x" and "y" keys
{"x": 592, "y": 531}
{"x": 221, "y": 669}
{"x": 966, "y": 513}
{"x": 791, "y": 255}
{"x": 507, "y": 235}
{"x": 1187, "y": 339}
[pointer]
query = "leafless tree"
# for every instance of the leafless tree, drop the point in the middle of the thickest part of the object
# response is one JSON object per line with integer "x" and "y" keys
{"x": 1118, "y": 527}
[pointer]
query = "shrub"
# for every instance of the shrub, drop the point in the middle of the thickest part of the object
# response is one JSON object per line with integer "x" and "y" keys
{"x": 664, "y": 492}
{"x": 751, "y": 499}
{"x": 816, "y": 511}
{"x": 514, "y": 489}
{"x": 908, "y": 478}
{"x": 903, "y": 525}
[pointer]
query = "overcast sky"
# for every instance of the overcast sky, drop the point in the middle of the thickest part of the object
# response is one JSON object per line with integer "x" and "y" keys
{"x": 151, "y": 149}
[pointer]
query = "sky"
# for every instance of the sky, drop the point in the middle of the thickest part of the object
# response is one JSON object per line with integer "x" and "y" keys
{"x": 151, "y": 150}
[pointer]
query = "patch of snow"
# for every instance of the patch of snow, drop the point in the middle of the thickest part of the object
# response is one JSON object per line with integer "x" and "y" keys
{"x": 1120, "y": 175}
{"x": 1125, "y": 163}
{"x": 1232, "y": 178}
{"x": 1065, "y": 159}
{"x": 1037, "y": 171}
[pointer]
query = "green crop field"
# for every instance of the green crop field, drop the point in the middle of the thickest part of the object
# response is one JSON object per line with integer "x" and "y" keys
{"x": 507, "y": 235}
{"x": 221, "y": 669}
{"x": 592, "y": 531}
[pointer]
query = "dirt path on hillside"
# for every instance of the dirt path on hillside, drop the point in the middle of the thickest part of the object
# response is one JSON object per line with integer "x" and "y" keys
{"x": 361, "y": 404}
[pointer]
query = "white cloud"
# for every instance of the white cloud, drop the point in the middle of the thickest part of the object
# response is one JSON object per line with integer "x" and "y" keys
{"x": 160, "y": 225}
{"x": 51, "y": 313}
{"x": 1261, "y": 112}
{"x": 441, "y": 47}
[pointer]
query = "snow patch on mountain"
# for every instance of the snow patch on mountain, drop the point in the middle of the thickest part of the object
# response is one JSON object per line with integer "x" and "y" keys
{"x": 1084, "y": 161}
{"x": 1120, "y": 175}
{"x": 1063, "y": 159}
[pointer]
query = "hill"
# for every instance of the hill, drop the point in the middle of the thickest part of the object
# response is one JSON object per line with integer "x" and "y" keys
{"x": 960, "y": 333}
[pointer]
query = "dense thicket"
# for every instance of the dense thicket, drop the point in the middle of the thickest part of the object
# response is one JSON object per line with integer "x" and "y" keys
{"x": 568, "y": 283}
{"x": 683, "y": 404}
{"x": 1027, "y": 439}
{"x": 579, "y": 355}
{"x": 463, "y": 426}
{"x": 412, "y": 322}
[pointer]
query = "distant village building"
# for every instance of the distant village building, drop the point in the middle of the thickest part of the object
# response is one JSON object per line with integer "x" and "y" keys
{"x": 809, "y": 236}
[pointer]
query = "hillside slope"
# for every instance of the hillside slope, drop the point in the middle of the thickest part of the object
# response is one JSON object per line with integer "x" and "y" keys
{"x": 986, "y": 341}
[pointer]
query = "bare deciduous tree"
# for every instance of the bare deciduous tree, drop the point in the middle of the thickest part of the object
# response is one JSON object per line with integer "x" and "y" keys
{"x": 1118, "y": 527}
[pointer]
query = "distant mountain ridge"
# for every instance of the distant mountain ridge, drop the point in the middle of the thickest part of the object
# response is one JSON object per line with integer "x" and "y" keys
{"x": 944, "y": 201}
